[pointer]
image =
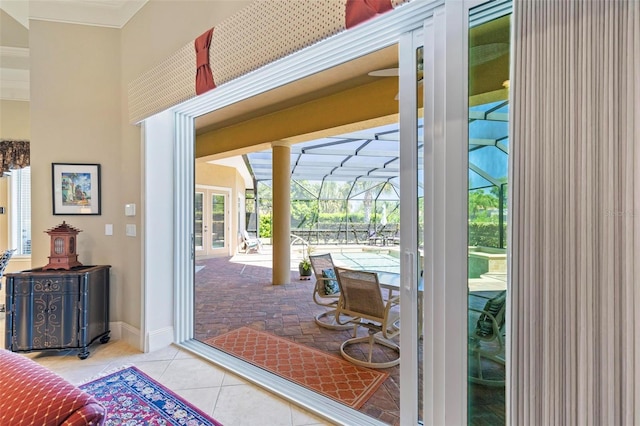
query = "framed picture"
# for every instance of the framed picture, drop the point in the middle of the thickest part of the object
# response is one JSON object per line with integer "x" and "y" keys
{"x": 76, "y": 188}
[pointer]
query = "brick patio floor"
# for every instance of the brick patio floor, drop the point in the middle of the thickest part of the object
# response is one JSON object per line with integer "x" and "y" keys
{"x": 229, "y": 295}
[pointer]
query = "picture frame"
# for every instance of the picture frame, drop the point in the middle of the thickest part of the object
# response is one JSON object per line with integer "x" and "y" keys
{"x": 75, "y": 189}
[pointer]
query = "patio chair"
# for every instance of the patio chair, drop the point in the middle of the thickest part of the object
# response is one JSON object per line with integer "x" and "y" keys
{"x": 250, "y": 244}
{"x": 374, "y": 237}
{"x": 362, "y": 301}
{"x": 326, "y": 291}
{"x": 394, "y": 239}
{"x": 4, "y": 261}
{"x": 486, "y": 341}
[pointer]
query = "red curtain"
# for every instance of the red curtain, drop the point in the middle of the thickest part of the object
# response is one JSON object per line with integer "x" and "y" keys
{"x": 204, "y": 76}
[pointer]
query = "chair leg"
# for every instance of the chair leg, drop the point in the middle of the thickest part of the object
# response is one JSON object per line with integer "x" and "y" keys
{"x": 370, "y": 339}
{"x": 479, "y": 377}
{"x": 327, "y": 319}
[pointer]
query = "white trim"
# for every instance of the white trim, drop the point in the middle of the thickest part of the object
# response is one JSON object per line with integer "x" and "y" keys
{"x": 159, "y": 339}
{"x": 429, "y": 340}
{"x": 214, "y": 187}
{"x": 446, "y": 158}
{"x": 184, "y": 182}
{"x": 206, "y": 249}
{"x": 371, "y": 36}
{"x": 112, "y": 13}
{"x": 158, "y": 256}
{"x": 409, "y": 42}
{"x": 125, "y": 332}
{"x": 365, "y": 38}
{"x": 14, "y": 52}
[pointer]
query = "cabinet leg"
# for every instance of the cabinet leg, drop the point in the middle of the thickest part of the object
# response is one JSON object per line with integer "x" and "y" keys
{"x": 105, "y": 338}
{"x": 84, "y": 354}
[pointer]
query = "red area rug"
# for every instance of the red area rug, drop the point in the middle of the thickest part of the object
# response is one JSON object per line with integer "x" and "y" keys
{"x": 133, "y": 398}
{"x": 324, "y": 373}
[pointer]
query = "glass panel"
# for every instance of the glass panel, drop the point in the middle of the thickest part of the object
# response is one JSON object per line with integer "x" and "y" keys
{"x": 20, "y": 207}
{"x": 217, "y": 221}
{"x": 488, "y": 155}
{"x": 420, "y": 250}
{"x": 198, "y": 225}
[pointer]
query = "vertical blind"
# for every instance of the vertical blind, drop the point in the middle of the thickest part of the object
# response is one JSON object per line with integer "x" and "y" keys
{"x": 575, "y": 207}
{"x": 21, "y": 211}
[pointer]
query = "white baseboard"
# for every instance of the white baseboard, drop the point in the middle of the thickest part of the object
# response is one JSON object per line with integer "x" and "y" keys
{"x": 155, "y": 340}
{"x": 123, "y": 331}
{"x": 159, "y": 339}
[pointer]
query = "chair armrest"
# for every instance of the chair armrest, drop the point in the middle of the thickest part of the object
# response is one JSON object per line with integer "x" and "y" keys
{"x": 494, "y": 323}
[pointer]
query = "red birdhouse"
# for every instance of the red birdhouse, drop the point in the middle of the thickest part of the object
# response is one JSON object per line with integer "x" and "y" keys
{"x": 63, "y": 247}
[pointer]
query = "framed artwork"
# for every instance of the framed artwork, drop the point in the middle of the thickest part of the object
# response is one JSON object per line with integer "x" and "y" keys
{"x": 76, "y": 188}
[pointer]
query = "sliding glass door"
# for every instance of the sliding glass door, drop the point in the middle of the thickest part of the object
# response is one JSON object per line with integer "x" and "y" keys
{"x": 454, "y": 124}
{"x": 488, "y": 150}
{"x": 438, "y": 154}
{"x": 412, "y": 201}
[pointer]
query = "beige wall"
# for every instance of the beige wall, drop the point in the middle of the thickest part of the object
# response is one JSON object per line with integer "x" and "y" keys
{"x": 14, "y": 120}
{"x": 75, "y": 118}
{"x": 157, "y": 31}
{"x": 79, "y": 83}
{"x": 14, "y": 124}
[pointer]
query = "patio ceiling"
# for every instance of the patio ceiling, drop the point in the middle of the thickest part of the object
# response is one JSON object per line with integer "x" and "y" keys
{"x": 372, "y": 155}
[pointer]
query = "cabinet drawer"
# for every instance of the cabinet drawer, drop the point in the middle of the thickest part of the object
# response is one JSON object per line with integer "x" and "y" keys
{"x": 44, "y": 284}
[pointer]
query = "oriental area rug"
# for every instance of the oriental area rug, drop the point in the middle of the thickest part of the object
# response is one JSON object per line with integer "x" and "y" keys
{"x": 133, "y": 398}
{"x": 320, "y": 372}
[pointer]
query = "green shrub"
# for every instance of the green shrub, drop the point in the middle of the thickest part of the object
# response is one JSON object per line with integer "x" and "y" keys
{"x": 486, "y": 234}
{"x": 265, "y": 226}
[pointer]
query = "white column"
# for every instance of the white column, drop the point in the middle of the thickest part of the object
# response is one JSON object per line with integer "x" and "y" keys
{"x": 281, "y": 228}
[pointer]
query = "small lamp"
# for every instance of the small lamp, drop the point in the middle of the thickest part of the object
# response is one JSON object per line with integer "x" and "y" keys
{"x": 63, "y": 247}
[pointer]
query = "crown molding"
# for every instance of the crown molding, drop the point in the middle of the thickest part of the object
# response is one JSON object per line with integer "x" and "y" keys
{"x": 102, "y": 13}
{"x": 18, "y": 10}
{"x": 14, "y": 84}
{"x": 14, "y": 52}
{"x": 14, "y": 73}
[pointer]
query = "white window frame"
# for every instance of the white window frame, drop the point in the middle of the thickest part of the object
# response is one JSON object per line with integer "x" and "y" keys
{"x": 14, "y": 239}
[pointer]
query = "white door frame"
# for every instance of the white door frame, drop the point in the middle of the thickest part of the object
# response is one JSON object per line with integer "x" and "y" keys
{"x": 445, "y": 279}
{"x": 208, "y": 190}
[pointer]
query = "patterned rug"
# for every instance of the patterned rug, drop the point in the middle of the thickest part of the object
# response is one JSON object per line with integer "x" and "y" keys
{"x": 324, "y": 373}
{"x": 133, "y": 398}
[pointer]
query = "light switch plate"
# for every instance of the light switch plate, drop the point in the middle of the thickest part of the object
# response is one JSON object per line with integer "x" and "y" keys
{"x": 130, "y": 230}
{"x": 129, "y": 209}
{"x": 108, "y": 229}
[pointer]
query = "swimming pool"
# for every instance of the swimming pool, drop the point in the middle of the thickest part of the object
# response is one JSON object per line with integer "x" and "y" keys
{"x": 370, "y": 261}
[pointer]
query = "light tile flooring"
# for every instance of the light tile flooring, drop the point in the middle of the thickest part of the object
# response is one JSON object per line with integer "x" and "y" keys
{"x": 227, "y": 398}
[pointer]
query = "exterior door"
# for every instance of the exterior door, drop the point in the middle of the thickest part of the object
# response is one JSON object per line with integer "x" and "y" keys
{"x": 435, "y": 163}
{"x": 212, "y": 221}
{"x": 411, "y": 50}
{"x": 453, "y": 161}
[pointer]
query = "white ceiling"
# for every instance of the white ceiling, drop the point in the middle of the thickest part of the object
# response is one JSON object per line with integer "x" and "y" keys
{"x": 106, "y": 13}
{"x": 14, "y": 51}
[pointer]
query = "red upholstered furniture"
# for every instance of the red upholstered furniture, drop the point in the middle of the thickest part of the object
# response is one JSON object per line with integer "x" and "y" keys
{"x": 33, "y": 395}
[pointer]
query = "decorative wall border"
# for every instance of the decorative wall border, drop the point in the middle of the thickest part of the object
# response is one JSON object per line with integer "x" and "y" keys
{"x": 259, "y": 34}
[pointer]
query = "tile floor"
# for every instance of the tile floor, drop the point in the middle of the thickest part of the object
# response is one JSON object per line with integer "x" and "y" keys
{"x": 225, "y": 397}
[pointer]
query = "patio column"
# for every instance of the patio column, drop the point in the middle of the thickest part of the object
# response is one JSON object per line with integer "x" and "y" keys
{"x": 281, "y": 228}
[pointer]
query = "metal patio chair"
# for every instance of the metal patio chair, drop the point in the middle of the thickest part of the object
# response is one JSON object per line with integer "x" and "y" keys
{"x": 486, "y": 340}
{"x": 362, "y": 301}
